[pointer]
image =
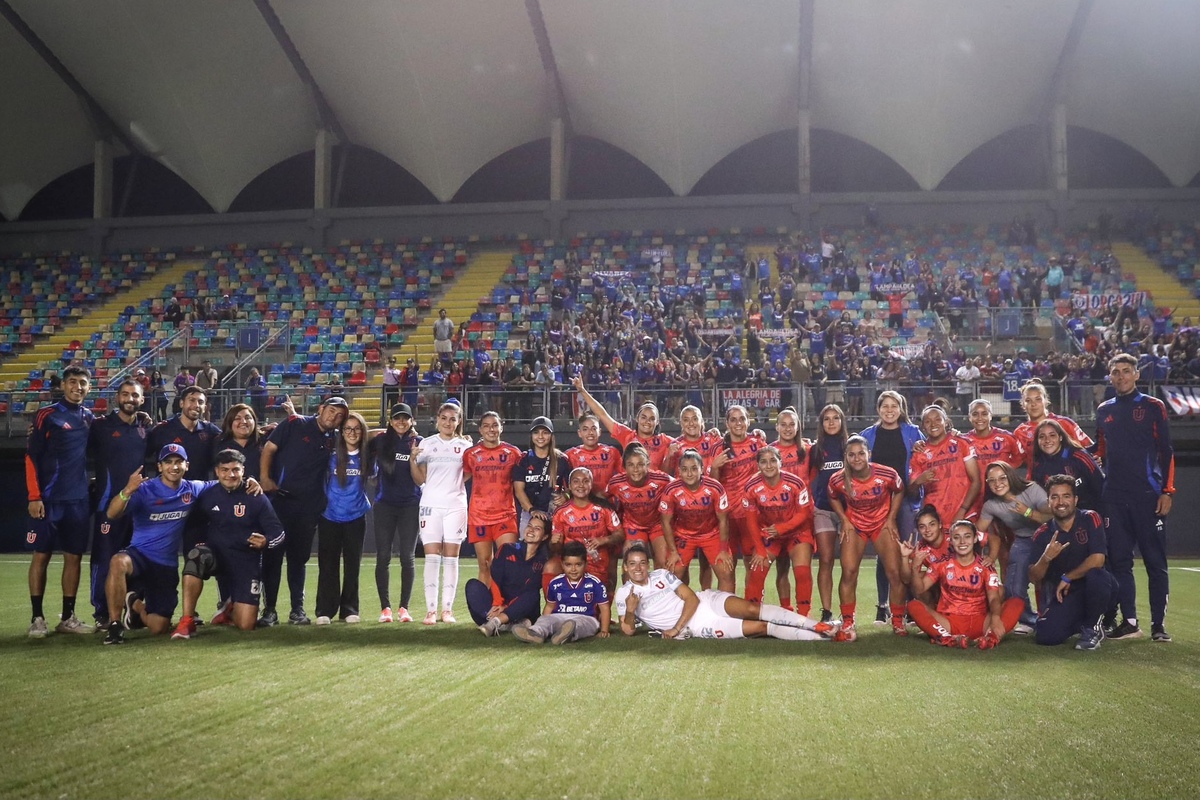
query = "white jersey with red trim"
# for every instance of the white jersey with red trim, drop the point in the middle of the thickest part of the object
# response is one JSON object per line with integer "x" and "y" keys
{"x": 443, "y": 460}
{"x": 658, "y": 605}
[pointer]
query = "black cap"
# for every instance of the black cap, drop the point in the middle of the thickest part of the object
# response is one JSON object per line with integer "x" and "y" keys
{"x": 337, "y": 402}
{"x": 401, "y": 410}
{"x": 542, "y": 422}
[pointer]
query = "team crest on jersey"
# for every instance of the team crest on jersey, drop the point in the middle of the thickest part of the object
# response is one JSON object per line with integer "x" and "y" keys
{"x": 457, "y": 450}
{"x": 1139, "y": 414}
{"x": 239, "y": 510}
{"x": 1081, "y": 535}
{"x": 187, "y": 498}
{"x": 105, "y": 528}
{"x": 595, "y": 516}
{"x": 31, "y": 537}
{"x": 503, "y": 457}
{"x": 587, "y": 597}
{"x": 953, "y": 448}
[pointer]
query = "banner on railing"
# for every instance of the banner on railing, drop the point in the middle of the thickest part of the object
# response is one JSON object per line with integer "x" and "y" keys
{"x": 751, "y": 398}
{"x": 894, "y": 288}
{"x": 1183, "y": 400}
{"x": 715, "y": 332}
{"x": 612, "y": 273}
{"x": 1086, "y": 300}
{"x": 778, "y": 333}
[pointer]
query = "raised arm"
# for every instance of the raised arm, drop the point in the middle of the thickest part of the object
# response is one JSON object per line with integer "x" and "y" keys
{"x": 595, "y": 405}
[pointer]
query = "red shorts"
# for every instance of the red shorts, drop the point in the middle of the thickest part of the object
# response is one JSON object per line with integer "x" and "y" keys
{"x": 642, "y": 535}
{"x": 741, "y": 537}
{"x": 490, "y": 533}
{"x": 970, "y": 625}
{"x": 784, "y": 544}
{"x": 870, "y": 536}
{"x": 709, "y": 545}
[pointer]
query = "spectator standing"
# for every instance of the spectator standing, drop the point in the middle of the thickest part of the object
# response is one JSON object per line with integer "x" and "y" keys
{"x": 391, "y": 387}
{"x": 443, "y": 333}
{"x": 207, "y": 379}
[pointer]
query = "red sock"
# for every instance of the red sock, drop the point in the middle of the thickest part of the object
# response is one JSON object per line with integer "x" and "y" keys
{"x": 848, "y": 613}
{"x": 546, "y": 578}
{"x": 897, "y": 615}
{"x": 1010, "y": 612}
{"x": 925, "y": 620}
{"x": 756, "y": 580}
{"x": 804, "y": 586}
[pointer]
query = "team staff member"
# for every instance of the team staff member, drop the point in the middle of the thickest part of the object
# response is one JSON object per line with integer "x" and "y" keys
{"x": 57, "y": 482}
{"x": 541, "y": 474}
{"x": 589, "y": 520}
{"x": 190, "y": 430}
{"x": 397, "y": 508}
{"x": 577, "y": 604}
{"x": 694, "y": 512}
{"x": 637, "y": 493}
{"x": 666, "y": 605}
{"x": 1074, "y": 589}
{"x": 159, "y": 510}
{"x": 294, "y": 463}
{"x": 117, "y": 446}
{"x": 343, "y": 524}
{"x": 240, "y": 431}
{"x": 437, "y": 467}
{"x": 239, "y": 527}
{"x": 1036, "y": 403}
{"x": 971, "y": 606}
{"x": 735, "y": 466}
{"x": 519, "y": 572}
{"x": 779, "y": 512}
{"x": 492, "y": 510}
{"x": 656, "y": 443}
{"x": 866, "y": 498}
{"x": 892, "y": 440}
{"x": 825, "y": 461}
{"x": 1137, "y": 493}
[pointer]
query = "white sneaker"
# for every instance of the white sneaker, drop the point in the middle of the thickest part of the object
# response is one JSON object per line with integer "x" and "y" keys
{"x": 1021, "y": 629}
{"x": 448, "y": 618}
{"x": 72, "y": 625}
{"x": 385, "y": 615}
{"x": 430, "y": 618}
{"x": 353, "y": 619}
{"x": 321, "y": 621}
{"x": 38, "y": 629}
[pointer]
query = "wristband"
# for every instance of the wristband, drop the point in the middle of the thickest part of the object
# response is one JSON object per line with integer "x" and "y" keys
{"x": 124, "y": 497}
{"x": 1065, "y": 579}
{"x": 1027, "y": 513}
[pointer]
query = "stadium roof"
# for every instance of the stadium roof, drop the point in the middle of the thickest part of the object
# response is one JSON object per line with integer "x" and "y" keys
{"x": 442, "y": 87}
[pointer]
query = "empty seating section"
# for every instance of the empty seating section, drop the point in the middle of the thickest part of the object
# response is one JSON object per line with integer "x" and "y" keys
{"x": 1177, "y": 250}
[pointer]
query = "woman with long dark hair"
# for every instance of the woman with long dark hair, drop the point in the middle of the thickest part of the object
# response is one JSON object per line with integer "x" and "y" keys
{"x": 826, "y": 459}
{"x": 1055, "y": 452}
{"x": 541, "y": 475}
{"x": 240, "y": 431}
{"x": 397, "y": 510}
{"x": 343, "y": 524}
{"x": 1018, "y": 507}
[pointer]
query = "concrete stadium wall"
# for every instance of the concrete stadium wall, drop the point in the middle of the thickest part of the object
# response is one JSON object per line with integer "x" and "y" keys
{"x": 564, "y": 219}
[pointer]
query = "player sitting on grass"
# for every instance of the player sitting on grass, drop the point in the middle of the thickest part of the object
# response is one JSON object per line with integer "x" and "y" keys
{"x": 667, "y": 606}
{"x": 971, "y": 605}
{"x": 576, "y": 604}
{"x": 240, "y": 527}
{"x": 518, "y": 576}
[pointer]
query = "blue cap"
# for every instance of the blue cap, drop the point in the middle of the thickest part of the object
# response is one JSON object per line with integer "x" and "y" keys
{"x": 172, "y": 450}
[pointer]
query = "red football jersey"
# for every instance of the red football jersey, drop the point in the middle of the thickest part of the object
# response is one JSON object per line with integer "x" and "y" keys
{"x": 741, "y": 468}
{"x": 868, "y": 509}
{"x": 964, "y": 589}
{"x": 707, "y": 446}
{"x": 788, "y": 506}
{"x": 999, "y": 445}
{"x": 794, "y": 461}
{"x": 639, "y": 504}
{"x": 591, "y": 521}
{"x": 693, "y": 514}
{"x": 656, "y": 445}
{"x": 603, "y": 460}
{"x": 1025, "y": 432}
{"x": 490, "y": 472}
{"x": 950, "y": 484}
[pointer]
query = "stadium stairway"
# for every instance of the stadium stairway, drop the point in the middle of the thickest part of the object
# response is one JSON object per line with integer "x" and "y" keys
{"x": 757, "y": 252}
{"x": 483, "y": 272}
{"x": 47, "y": 353}
{"x": 1164, "y": 288}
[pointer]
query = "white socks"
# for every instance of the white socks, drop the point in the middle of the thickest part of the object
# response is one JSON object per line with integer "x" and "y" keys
{"x": 449, "y": 582}
{"x": 433, "y": 570}
{"x": 792, "y": 634}
{"x": 781, "y": 616}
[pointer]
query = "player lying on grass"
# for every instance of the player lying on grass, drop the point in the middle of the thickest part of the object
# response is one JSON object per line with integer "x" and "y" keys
{"x": 577, "y": 604}
{"x": 971, "y": 606}
{"x": 666, "y": 605}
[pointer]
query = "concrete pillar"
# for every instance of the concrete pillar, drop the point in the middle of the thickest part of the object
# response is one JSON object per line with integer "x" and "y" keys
{"x": 1058, "y": 147}
{"x": 558, "y": 160}
{"x": 102, "y": 179}
{"x": 804, "y": 123}
{"x": 323, "y": 174}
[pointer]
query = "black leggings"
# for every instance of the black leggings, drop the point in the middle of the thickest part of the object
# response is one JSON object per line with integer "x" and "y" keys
{"x": 399, "y": 524}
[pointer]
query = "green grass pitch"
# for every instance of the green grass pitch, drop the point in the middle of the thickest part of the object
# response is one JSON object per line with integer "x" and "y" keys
{"x": 405, "y": 711}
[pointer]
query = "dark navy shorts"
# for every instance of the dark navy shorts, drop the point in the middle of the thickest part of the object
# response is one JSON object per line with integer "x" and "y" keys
{"x": 64, "y": 528}
{"x": 158, "y": 583}
{"x": 240, "y": 573}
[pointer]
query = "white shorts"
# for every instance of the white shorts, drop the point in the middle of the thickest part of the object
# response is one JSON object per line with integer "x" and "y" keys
{"x": 443, "y": 346}
{"x": 710, "y": 620}
{"x": 825, "y": 521}
{"x": 443, "y": 525}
